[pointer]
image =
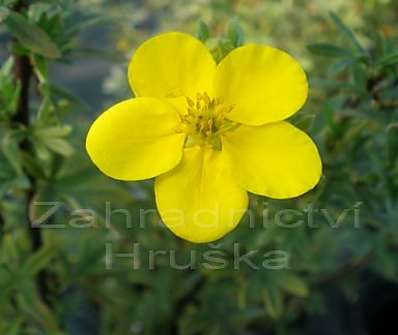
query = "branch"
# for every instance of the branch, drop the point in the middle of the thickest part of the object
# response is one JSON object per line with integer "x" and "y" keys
{"x": 183, "y": 302}
{"x": 23, "y": 72}
{"x": 346, "y": 270}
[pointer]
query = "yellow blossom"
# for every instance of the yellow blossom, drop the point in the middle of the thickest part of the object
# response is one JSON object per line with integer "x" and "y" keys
{"x": 208, "y": 133}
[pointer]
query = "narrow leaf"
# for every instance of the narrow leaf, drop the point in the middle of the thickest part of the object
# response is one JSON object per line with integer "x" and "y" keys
{"x": 4, "y": 12}
{"x": 294, "y": 285}
{"x": 273, "y": 302}
{"x": 31, "y": 36}
{"x": 347, "y": 32}
{"x": 10, "y": 148}
{"x": 203, "y": 31}
{"x": 235, "y": 33}
{"x": 328, "y": 50}
{"x": 55, "y": 131}
{"x": 389, "y": 60}
{"x": 38, "y": 261}
{"x": 59, "y": 146}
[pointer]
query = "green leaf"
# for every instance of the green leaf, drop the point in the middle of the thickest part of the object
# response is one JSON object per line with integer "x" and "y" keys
{"x": 304, "y": 121}
{"x": 4, "y": 12}
{"x": 9, "y": 90}
{"x": 273, "y": 302}
{"x": 55, "y": 131}
{"x": 388, "y": 60}
{"x": 10, "y": 148}
{"x": 347, "y": 32}
{"x": 32, "y": 166}
{"x": 341, "y": 65}
{"x": 38, "y": 261}
{"x": 235, "y": 33}
{"x": 43, "y": 153}
{"x": 221, "y": 49}
{"x": 59, "y": 146}
{"x": 203, "y": 32}
{"x": 293, "y": 284}
{"x": 359, "y": 77}
{"x": 5, "y": 276}
{"x": 14, "y": 183}
{"x": 31, "y": 305}
{"x": 52, "y": 138}
{"x": 328, "y": 50}
{"x": 40, "y": 68}
{"x": 7, "y": 67}
{"x": 46, "y": 109}
{"x": 8, "y": 3}
{"x": 31, "y": 36}
{"x": 15, "y": 327}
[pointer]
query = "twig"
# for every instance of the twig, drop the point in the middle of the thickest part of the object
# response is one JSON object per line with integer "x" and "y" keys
{"x": 346, "y": 269}
{"x": 23, "y": 72}
{"x": 183, "y": 302}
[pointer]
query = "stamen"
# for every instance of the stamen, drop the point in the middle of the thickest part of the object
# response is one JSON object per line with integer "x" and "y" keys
{"x": 205, "y": 120}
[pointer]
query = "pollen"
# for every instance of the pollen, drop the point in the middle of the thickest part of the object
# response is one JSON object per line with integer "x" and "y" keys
{"x": 205, "y": 120}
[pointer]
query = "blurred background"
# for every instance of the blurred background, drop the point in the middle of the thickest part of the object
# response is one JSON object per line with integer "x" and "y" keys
{"x": 83, "y": 254}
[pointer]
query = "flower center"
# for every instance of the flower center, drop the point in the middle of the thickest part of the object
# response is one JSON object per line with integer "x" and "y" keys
{"x": 206, "y": 120}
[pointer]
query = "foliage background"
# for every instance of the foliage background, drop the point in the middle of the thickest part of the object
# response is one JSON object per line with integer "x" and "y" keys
{"x": 342, "y": 279}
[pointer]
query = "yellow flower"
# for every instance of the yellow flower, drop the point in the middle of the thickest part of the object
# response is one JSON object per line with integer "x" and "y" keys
{"x": 208, "y": 133}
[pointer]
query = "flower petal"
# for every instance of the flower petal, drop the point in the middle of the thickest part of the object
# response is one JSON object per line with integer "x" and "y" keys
{"x": 262, "y": 83}
{"x": 171, "y": 65}
{"x": 276, "y": 160}
{"x": 199, "y": 200}
{"x": 136, "y": 139}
